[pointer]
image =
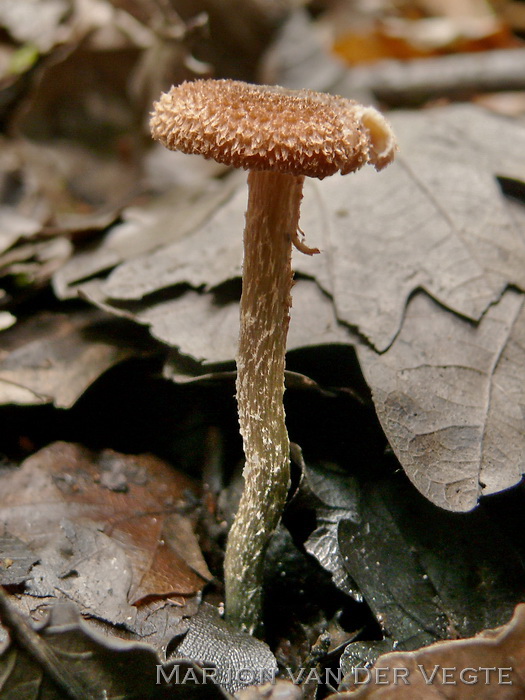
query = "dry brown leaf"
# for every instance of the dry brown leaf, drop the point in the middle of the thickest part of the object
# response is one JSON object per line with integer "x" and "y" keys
{"x": 403, "y": 39}
{"x": 365, "y": 33}
{"x": 106, "y": 526}
{"x": 490, "y": 666}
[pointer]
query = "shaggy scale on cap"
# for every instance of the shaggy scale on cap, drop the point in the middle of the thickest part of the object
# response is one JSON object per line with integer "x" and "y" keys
{"x": 261, "y": 127}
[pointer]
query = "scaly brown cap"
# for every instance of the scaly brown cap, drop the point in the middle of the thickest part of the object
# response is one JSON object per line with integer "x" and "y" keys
{"x": 261, "y": 127}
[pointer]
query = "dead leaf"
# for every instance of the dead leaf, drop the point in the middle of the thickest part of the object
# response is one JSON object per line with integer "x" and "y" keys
{"x": 16, "y": 560}
{"x": 363, "y": 33}
{"x": 59, "y": 188}
{"x": 189, "y": 319}
{"x": 337, "y": 496}
{"x": 147, "y": 228}
{"x": 14, "y": 226}
{"x": 435, "y": 219}
{"x": 105, "y": 544}
{"x": 54, "y": 358}
{"x": 448, "y": 394}
{"x": 210, "y": 255}
{"x": 156, "y": 622}
{"x": 384, "y": 543}
{"x": 402, "y": 39}
{"x": 33, "y": 264}
{"x": 50, "y": 194}
{"x": 105, "y": 64}
{"x": 489, "y": 666}
{"x": 67, "y": 656}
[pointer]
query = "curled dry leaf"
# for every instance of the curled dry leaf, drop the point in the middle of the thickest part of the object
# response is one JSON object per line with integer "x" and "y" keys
{"x": 107, "y": 529}
{"x": 489, "y": 666}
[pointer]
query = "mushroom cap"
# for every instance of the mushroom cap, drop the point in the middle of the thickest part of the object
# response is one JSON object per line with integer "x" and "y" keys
{"x": 262, "y": 127}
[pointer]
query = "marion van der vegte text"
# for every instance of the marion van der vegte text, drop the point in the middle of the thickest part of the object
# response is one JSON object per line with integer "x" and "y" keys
{"x": 396, "y": 675}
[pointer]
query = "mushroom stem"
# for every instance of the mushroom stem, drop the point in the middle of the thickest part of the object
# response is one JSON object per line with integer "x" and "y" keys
{"x": 272, "y": 220}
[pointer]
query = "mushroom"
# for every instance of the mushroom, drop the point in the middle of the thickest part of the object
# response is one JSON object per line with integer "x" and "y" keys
{"x": 279, "y": 136}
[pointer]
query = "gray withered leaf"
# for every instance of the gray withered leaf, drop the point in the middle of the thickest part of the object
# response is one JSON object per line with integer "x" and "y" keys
{"x": 450, "y": 397}
{"x": 500, "y": 648}
{"x": 434, "y": 219}
{"x": 145, "y": 229}
{"x": 241, "y": 659}
{"x": 395, "y": 546}
{"x": 205, "y": 326}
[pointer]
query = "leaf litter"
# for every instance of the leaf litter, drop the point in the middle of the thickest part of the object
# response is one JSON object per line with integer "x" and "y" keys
{"x": 174, "y": 295}
{"x": 107, "y": 528}
{"x": 74, "y": 660}
{"x": 113, "y": 534}
{"x": 453, "y": 416}
{"x": 382, "y": 239}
